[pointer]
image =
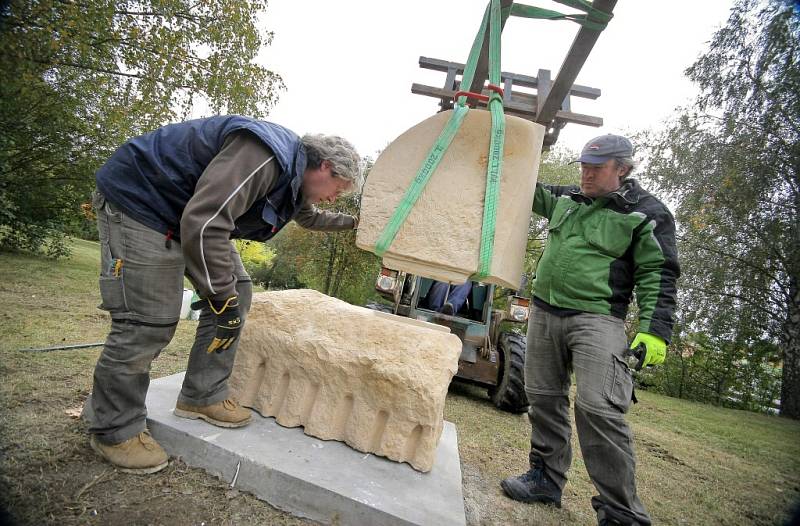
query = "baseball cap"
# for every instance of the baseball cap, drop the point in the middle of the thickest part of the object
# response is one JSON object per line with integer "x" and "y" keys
{"x": 601, "y": 149}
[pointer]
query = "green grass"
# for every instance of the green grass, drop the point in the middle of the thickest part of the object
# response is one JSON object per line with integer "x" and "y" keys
{"x": 697, "y": 464}
{"x": 45, "y": 460}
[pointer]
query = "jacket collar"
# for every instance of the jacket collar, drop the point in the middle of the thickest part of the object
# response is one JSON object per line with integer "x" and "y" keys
{"x": 627, "y": 194}
{"x": 300, "y": 162}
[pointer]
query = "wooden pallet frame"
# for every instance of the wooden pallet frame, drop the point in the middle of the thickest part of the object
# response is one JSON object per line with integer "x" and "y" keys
{"x": 550, "y": 105}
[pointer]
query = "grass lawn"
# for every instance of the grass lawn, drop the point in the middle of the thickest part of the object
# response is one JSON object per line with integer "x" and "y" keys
{"x": 697, "y": 464}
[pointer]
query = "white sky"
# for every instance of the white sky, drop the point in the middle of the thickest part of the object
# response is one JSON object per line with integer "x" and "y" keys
{"x": 348, "y": 66}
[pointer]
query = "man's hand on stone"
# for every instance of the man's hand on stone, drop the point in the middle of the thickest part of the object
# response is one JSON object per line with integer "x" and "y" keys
{"x": 229, "y": 322}
{"x": 655, "y": 348}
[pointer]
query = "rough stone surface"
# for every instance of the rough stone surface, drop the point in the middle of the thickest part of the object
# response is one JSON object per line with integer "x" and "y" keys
{"x": 441, "y": 237}
{"x": 373, "y": 381}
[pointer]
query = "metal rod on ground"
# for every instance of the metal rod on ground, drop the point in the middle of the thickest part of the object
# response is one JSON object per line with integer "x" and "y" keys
{"x": 236, "y": 476}
{"x": 64, "y": 347}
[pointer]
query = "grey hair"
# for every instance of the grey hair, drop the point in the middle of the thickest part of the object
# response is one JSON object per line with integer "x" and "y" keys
{"x": 626, "y": 162}
{"x": 345, "y": 161}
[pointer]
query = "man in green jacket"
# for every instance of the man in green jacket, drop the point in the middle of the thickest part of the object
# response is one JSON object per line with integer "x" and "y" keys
{"x": 605, "y": 239}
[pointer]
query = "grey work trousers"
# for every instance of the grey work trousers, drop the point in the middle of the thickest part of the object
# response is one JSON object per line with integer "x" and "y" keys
{"x": 143, "y": 294}
{"x": 591, "y": 345}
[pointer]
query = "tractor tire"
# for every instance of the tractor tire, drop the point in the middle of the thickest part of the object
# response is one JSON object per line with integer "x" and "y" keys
{"x": 379, "y": 306}
{"x": 509, "y": 395}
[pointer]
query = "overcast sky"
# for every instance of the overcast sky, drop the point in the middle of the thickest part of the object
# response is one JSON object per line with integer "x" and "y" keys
{"x": 348, "y": 66}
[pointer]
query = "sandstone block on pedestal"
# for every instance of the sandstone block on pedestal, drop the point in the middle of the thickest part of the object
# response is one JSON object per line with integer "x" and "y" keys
{"x": 346, "y": 373}
{"x": 441, "y": 237}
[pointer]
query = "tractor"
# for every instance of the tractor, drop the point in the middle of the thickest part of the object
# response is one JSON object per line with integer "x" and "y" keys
{"x": 490, "y": 357}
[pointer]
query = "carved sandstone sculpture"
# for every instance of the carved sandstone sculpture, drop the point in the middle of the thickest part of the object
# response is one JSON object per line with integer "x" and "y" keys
{"x": 372, "y": 380}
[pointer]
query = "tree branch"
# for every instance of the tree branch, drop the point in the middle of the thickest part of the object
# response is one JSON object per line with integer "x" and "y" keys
{"x": 104, "y": 70}
{"x": 197, "y": 62}
{"x": 719, "y": 252}
{"x": 199, "y": 20}
{"x": 771, "y": 314}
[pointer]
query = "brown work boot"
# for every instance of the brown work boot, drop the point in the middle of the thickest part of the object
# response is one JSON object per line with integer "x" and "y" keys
{"x": 140, "y": 454}
{"x": 227, "y": 413}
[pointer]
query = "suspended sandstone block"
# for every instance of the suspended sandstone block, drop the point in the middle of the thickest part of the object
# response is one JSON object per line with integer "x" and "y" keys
{"x": 367, "y": 378}
{"x": 441, "y": 237}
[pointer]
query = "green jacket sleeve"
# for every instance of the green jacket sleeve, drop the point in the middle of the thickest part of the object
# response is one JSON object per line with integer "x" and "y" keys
{"x": 544, "y": 200}
{"x": 656, "y": 272}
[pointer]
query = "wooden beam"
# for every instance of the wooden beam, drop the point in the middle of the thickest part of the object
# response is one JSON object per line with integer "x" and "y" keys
{"x": 576, "y": 57}
{"x": 545, "y": 84}
{"x": 521, "y": 105}
{"x": 527, "y": 81}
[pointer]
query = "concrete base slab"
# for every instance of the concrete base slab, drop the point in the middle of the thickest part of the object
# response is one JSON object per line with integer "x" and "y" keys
{"x": 326, "y": 481}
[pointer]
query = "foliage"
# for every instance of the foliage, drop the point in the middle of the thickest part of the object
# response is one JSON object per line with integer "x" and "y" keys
{"x": 348, "y": 272}
{"x": 326, "y": 261}
{"x": 79, "y": 78}
{"x": 730, "y": 165}
{"x": 285, "y": 269}
{"x": 719, "y": 371}
{"x": 254, "y": 255}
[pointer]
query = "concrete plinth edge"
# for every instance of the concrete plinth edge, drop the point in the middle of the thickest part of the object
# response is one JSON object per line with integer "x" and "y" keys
{"x": 326, "y": 481}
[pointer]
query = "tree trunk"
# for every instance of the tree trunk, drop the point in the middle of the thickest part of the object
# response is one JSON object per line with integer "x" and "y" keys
{"x": 790, "y": 378}
{"x": 343, "y": 264}
{"x": 331, "y": 260}
{"x": 683, "y": 375}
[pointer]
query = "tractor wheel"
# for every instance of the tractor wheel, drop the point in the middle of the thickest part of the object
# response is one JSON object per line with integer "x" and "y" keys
{"x": 373, "y": 305}
{"x": 509, "y": 395}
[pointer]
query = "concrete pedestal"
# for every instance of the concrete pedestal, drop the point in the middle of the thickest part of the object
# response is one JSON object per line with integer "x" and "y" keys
{"x": 326, "y": 481}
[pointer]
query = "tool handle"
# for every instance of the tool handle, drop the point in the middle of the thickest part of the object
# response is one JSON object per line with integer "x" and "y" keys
{"x": 640, "y": 353}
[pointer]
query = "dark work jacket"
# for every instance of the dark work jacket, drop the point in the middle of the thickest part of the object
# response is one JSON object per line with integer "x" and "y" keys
{"x": 599, "y": 249}
{"x": 153, "y": 176}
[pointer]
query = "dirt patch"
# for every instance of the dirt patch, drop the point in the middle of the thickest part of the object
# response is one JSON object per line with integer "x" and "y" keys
{"x": 659, "y": 452}
{"x": 52, "y": 476}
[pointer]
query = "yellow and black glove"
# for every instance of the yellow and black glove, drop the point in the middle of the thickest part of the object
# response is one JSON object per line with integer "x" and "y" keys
{"x": 229, "y": 322}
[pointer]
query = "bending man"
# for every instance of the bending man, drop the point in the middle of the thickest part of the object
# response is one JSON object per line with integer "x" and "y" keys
{"x": 168, "y": 203}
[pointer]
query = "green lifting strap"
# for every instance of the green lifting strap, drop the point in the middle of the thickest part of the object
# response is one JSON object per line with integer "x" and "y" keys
{"x": 593, "y": 19}
{"x": 492, "y": 17}
{"x": 436, "y": 152}
{"x": 413, "y": 192}
{"x": 496, "y": 142}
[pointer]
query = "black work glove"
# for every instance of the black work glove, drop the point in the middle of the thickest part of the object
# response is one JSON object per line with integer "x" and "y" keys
{"x": 229, "y": 322}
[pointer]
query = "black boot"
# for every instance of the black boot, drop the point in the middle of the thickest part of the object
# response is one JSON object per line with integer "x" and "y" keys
{"x": 533, "y": 486}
